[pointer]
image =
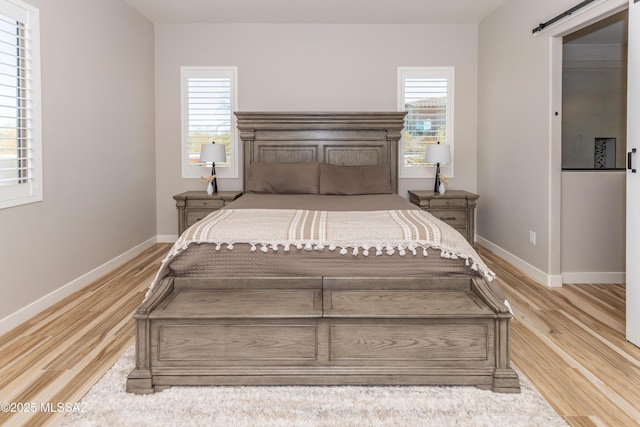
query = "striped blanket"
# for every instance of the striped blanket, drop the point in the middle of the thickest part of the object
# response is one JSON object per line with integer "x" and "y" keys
{"x": 364, "y": 233}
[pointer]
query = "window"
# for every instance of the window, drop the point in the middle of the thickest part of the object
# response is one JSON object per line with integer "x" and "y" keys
{"x": 20, "y": 123}
{"x": 426, "y": 94}
{"x": 208, "y": 102}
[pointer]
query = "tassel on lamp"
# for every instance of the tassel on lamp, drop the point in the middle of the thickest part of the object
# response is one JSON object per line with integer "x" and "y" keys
{"x": 213, "y": 153}
{"x": 438, "y": 154}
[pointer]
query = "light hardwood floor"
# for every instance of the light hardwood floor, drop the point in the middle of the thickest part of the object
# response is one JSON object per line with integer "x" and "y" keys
{"x": 568, "y": 342}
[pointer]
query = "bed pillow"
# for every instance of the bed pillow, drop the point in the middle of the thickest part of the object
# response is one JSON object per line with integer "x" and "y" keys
{"x": 352, "y": 180}
{"x": 284, "y": 178}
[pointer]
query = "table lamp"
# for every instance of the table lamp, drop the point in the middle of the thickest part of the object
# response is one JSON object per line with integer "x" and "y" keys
{"x": 438, "y": 154}
{"x": 213, "y": 153}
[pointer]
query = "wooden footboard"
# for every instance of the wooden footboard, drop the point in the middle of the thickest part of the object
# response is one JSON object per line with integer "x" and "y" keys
{"x": 322, "y": 331}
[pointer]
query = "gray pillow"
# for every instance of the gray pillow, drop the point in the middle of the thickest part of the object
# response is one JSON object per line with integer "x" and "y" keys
{"x": 352, "y": 180}
{"x": 284, "y": 178}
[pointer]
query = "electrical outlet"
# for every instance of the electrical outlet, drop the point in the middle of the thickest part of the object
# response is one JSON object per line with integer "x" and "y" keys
{"x": 532, "y": 237}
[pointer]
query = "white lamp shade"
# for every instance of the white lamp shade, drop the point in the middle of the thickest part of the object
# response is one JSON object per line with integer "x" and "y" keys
{"x": 437, "y": 153}
{"x": 213, "y": 153}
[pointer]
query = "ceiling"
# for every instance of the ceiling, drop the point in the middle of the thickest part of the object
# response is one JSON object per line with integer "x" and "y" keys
{"x": 317, "y": 11}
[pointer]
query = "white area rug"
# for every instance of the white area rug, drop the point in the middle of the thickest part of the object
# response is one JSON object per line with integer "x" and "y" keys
{"x": 107, "y": 404}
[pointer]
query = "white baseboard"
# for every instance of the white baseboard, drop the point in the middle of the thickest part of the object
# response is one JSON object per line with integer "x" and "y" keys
{"x": 47, "y": 301}
{"x": 594, "y": 277}
{"x": 549, "y": 280}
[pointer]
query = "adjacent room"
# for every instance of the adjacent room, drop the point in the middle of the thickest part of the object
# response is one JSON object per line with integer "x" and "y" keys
{"x": 494, "y": 133}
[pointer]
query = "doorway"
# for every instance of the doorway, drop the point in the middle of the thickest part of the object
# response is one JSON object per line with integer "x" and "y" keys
{"x": 594, "y": 120}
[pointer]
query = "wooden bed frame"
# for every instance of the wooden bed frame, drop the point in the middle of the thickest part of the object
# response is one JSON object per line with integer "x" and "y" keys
{"x": 321, "y": 330}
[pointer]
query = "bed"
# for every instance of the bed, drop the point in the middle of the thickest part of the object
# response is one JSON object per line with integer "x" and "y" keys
{"x": 321, "y": 275}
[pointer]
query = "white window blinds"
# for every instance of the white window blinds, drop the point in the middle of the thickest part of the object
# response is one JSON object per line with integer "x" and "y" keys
{"x": 426, "y": 94}
{"x": 209, "y": 95}
{"x": 20, "y": 140}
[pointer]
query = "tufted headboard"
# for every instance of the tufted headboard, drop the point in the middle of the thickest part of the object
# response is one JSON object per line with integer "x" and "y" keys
{"x": 351, "y": 138}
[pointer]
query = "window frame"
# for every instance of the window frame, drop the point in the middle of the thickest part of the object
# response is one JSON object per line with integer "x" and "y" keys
{"x": 229, "y": 170}
{"x": 426, "y": 170}
{"x": 31, "y": 190}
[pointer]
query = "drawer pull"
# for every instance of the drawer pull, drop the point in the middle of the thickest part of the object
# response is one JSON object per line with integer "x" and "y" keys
{"x": 448, "y": 218}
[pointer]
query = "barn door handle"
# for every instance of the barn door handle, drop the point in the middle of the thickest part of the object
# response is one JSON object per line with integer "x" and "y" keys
{"x": 629, "y": 154}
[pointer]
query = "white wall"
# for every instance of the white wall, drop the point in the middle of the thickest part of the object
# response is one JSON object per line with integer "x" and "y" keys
{"x": 518, "y": 151}
{"x": 310, "y": 67}
{"x": 593, "y": 226}
{"x": 99, "y": 172}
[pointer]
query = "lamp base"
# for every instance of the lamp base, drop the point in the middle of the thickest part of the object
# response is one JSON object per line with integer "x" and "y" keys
{"x": 214, "y": 184}
{"x": 436, "y": 187}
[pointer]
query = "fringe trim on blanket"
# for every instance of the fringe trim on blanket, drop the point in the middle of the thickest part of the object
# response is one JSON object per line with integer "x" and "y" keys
{"x": 343, "y": 248}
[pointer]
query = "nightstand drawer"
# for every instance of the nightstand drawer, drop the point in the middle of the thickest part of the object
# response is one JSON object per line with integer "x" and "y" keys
{"x": 444, "y": 203}
{"x": 205, "y": 203}
{"x": 462, "y": 231}
{"x": 455, "y": 218}
{"x": 195, "y": 216}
